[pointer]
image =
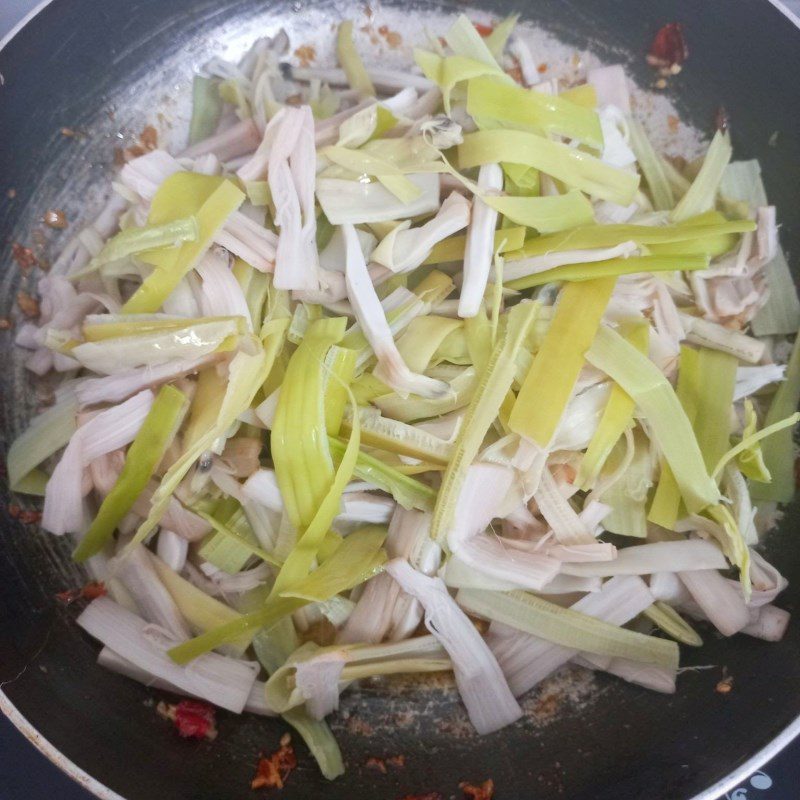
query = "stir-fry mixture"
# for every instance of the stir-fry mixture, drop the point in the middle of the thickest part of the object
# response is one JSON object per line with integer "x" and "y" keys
{"x": 412, "y": 371}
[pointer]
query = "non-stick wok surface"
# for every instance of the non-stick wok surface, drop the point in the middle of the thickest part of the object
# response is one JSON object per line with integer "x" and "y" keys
{"x": 582, "y": 737}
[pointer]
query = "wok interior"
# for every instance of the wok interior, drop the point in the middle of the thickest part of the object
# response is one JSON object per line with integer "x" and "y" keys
{"x": 99, "y": 68}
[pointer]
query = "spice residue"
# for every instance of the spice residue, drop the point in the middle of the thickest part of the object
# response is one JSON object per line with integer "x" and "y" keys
{"x": 483, "y": 791}
{"x": 306, "y": 55}
{"x": 24, "y": 256}
{"x": 55, "y": 218}
{"x": 273, "y": 770}
{"x": 23, "y": 515}
{"x": 28, "y": 305}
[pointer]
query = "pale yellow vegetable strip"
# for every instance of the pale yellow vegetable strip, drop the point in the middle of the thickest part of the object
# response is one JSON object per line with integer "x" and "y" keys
{"x": 496, "y": 380}
{"x": 617, "y": 415}
{"x": 422, "y": 338}
{"x": 172, "y": 264}
{"x": 575, "y": 168}
{"x": 658, "y": 404}
{"x": 350, "y": 61}
{"x": 452, "y": 248}
{"x": 749, "y": 441}
{"x": 666, "y": 503}
{"x": 716, "y": 379}
{"x": 246, "y": 376}
{"x": 563, "y": 626}
{"x": 202, "y": 611}
{"x": 545, "y": 214}
{"x": 551, "y": 378}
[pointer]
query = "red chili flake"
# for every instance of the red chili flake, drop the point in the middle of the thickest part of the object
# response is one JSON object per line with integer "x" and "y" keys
{"x": 396, "y": 761}
{"x": 193, "y": 719}
{"x": 149, "y": 137}
{"x": 68, "y": 132}
{"x": 428, "y": 796}
{"x": 376, "y": 763}
{"x": 91, "y": 591}
{"x": 28, "y": 305}
{"x": 5, "y": 324}
{"x": 275, "y": 769}
{"x": 673, "y": 123}
{"x": 483, "y": 30}
{"x": 722, "y": 120}
{"x": 393, "y": 38}
{"x": 23, "y": 515}
{"x": 668, "y": 49}
{"x": 483, "y": 792}
{"x": 542, "y": 68}
{"x": 24, "y": 256}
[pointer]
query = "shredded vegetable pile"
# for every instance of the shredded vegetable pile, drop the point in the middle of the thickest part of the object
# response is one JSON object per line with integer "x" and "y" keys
{"x": 444, "y": 369}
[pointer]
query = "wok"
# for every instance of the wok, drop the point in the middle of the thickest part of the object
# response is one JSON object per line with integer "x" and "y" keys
{"x": 100, "y": 67}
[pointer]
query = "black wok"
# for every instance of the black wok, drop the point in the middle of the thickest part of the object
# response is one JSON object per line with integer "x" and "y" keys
{"x": 104, "y": 66}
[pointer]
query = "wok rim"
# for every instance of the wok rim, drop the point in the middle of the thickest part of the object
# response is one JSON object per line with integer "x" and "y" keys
{"x": 100, "y": 790}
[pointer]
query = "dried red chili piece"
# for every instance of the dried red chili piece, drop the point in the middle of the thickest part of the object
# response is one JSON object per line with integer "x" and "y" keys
{"x": 91, "y": 591}
{"x": 484, "y": 791}
{"x": 428, "y": 796}
{"x": 396, "y": 761}
{"x": 24, "y": 256}
{"x": 193, "y": 719}
{"x": 484, "y": 30}
{"x": 669, "y": 49}
{"x": 376, "y": 763}
{"x": 273, "y": 770}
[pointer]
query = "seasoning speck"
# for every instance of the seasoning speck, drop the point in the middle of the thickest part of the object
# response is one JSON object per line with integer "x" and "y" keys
{"x": 306, "y": 55}
{"x": 725, "y": 685}
{"x": 11, "y": 194}
{"x": 484, "y": 791}
{"x": 28, "y": 305}
{"x": 55, "y": 218}
{"x": 273, "y": 770}
{"x": 5, "y": 324}
{"x": 24, "y": 256}
{"x": 376, "y": 763}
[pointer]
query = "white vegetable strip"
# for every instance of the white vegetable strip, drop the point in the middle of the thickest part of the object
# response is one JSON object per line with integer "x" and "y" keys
{"x": 262, "y": 487}
{"x": 155, "y": 603}
{"x": 291, "y": 175}
{"x": 405, "y": 248}
{"x": 750, "y": 380}
{"x": 345, "y": 201}
{"x": 483, "y": 688}
{"x": 644, "y": 559}
{"x": 221, "y": 294}
{"x": 256, "y": 702}
{"x": 391, "y": 368}
{"x": 318, "y": 681}
{"x": 384, "y": 80}
{"x": 567, "y": 526}
{"x": 109, "y": 430}
{"x": 650, "y": 676}
{"x": 373, "y": 618}
{"x": 527, "y": 660}
{"x": 218, "y": 679}
{"x": 113, "y": 388}
{"x": 769, "y": 624}
{"x": 498, "y": 559}
{"x": 720, "y": 602}
{"x": 480, "y": 243}
{"x": 172, "y": 549}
